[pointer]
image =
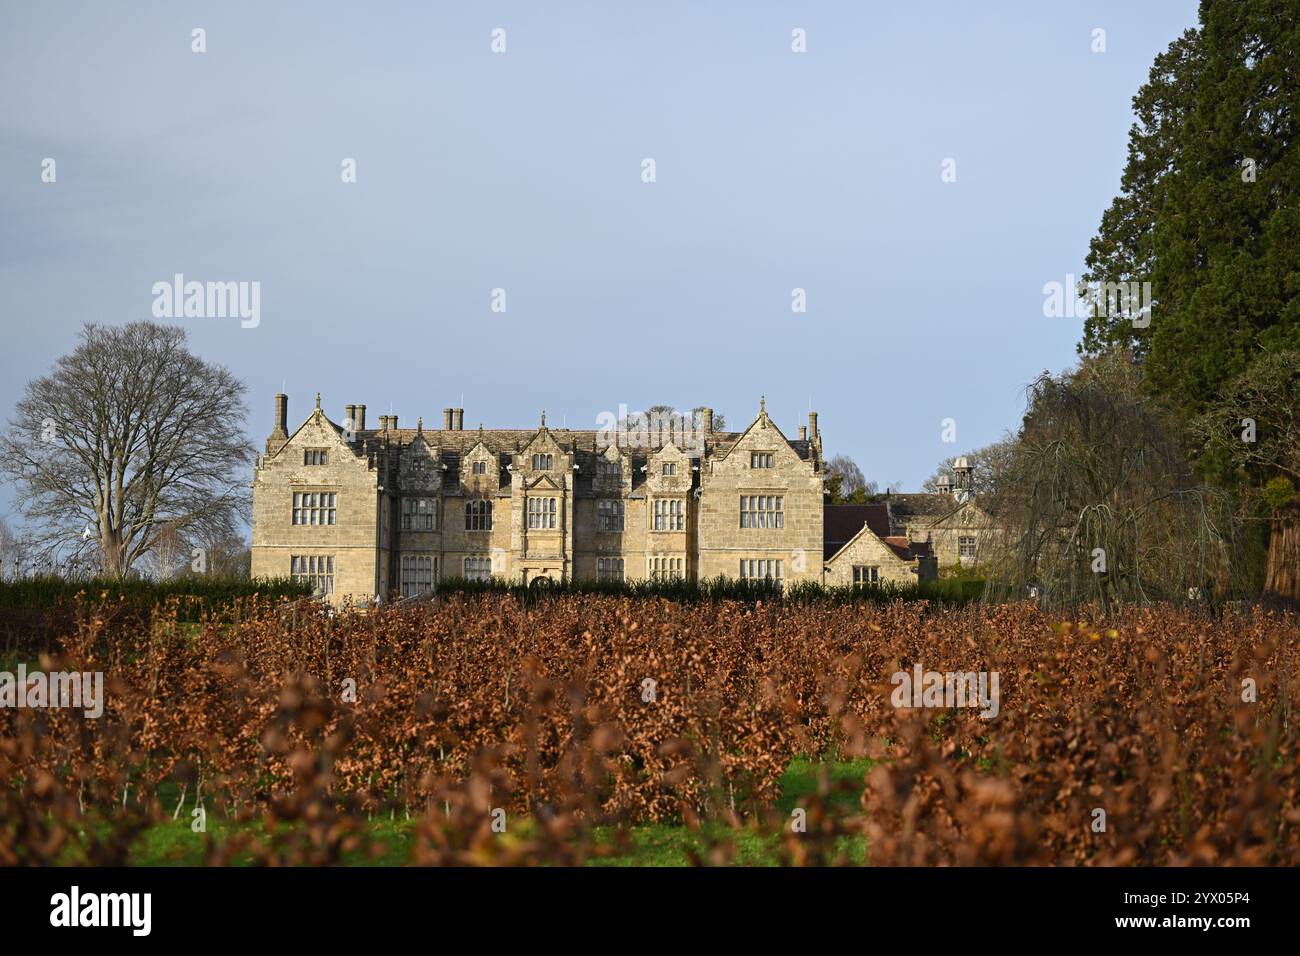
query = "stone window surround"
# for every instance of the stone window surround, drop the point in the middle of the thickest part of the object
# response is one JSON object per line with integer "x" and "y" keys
{"x": 756, "y": 509}
{"x": 668, "y": 514}
{"x": 478, "y": 515}
{"x": 325, "y": 508}
{"x": 542, "y": 515}
{"x": 412, "y": 508}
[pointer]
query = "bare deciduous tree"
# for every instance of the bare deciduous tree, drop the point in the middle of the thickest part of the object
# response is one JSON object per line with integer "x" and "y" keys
{"x": 987, "y": 465}
{"x": 169, "y": 552}
{"x": 845, "y": 481}
{"x": 128, "y": 434}
{"x": 850, "y": 475}
{"x": 224, "y": 554}
{"x": 8, "y": 550}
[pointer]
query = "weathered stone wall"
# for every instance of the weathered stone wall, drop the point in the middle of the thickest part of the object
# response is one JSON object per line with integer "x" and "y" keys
{"x": 723, "y": 543}
{"x": 944, "y": 534}
{"x": 868, "y": 550}
{"x": 368, "y": 540}
{"x": 351, "y": 540}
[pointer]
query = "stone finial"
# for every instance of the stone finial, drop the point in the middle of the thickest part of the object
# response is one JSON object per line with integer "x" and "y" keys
{"x": 318, "y": 401}
{"x": 543, "y": 418}
{"x": 419, "y": 425}
{"x": 762, "y": 404}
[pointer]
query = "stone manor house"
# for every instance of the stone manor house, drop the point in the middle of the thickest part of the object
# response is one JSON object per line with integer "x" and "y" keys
{"x": 361, "y": 512}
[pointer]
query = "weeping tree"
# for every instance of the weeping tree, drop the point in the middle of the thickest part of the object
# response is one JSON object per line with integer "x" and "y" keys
{"x": 1100, "y": 503}
{"x": 128, "y": 439}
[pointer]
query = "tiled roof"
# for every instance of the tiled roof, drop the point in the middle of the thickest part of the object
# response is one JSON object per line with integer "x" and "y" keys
{"x": 906, "y": 548}
{"x": 511, "y": 440}
{"x": 915, "y": 505}
{"x": 453, "y": 444}
{"x": 841, "y": 524}
{"x": 920, "y": 549}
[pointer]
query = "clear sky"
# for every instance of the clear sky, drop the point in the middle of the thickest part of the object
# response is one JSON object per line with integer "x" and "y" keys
{"x": 522, "y": 171}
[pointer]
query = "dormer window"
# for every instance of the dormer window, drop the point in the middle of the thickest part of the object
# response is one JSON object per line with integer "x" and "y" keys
{"x": 668, "y": 469}
{"x": 314, "y": 456}
{"x": 760, "y": 459}
{"x": 543, "y": 462}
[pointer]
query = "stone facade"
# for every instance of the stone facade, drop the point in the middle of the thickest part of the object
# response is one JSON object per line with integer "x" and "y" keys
{"x": 860, "y": 549}
{"x": 412, "y": 505}
{"x": 964, "y": 536}
{"x": 960, "y": 533}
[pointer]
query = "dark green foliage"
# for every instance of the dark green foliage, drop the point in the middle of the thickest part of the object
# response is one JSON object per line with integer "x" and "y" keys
{"x": 204, "y": 592}
{"x": 1222, "y": 252}
{"x": 1250, "y": 433}
{"x": 947, "y": 591}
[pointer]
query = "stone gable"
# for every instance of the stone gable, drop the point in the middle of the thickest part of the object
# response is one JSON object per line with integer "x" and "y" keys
{"x": 606, "y": 522}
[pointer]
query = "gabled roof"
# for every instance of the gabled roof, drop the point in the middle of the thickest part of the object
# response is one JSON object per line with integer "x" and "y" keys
{"x": 723, "y": 450}
{"x": 584, "y": 444}
{"x": 842, "y": 523}
{"x": 339, "y": 432}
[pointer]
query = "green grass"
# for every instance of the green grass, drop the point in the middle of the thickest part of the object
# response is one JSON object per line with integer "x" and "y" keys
{"x": 651, "y": 844}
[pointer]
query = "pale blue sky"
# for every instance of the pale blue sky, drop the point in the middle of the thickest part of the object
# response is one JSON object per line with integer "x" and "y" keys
{"x": 479, "y": 170}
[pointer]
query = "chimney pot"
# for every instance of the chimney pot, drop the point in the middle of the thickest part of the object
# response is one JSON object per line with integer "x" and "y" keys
{"x": 282, "y": 414}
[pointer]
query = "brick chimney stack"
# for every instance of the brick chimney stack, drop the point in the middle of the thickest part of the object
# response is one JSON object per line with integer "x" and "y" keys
{"x": 447, "y": 416}
{"x": 458, "y": 420}
{"x": 359, "y": 422}
{"x": 706, "y": 420}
